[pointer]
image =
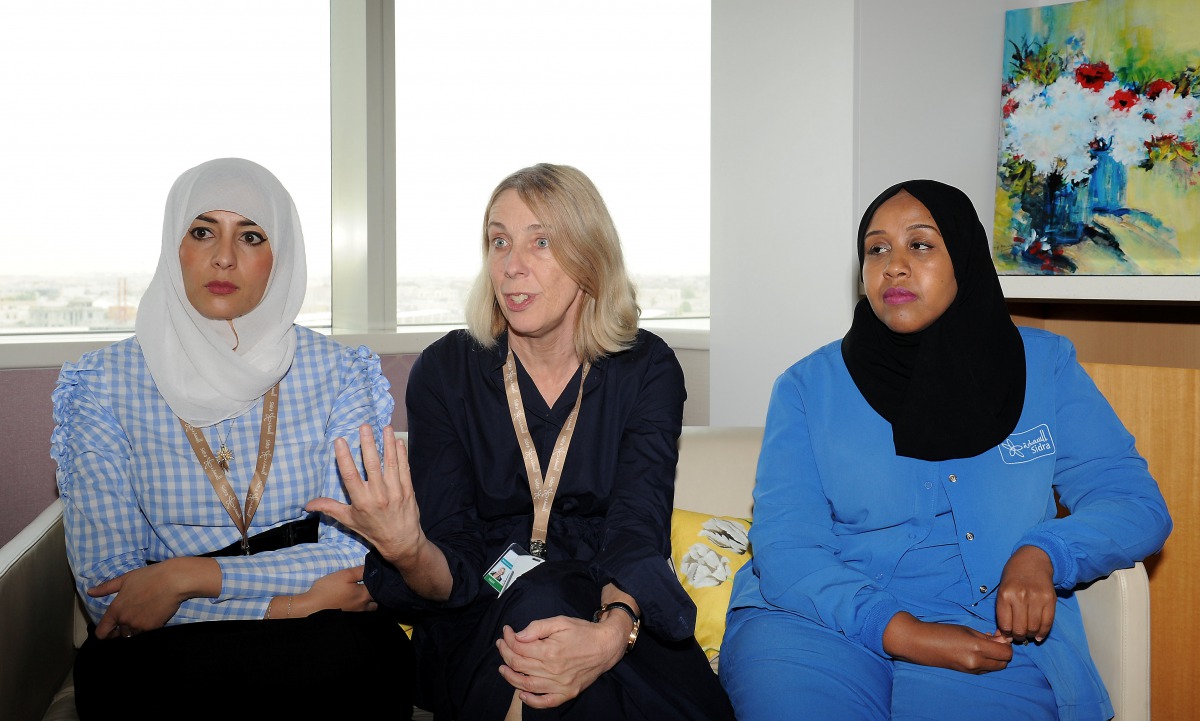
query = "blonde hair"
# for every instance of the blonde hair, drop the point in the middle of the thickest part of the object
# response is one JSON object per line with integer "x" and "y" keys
{"x": 584, "y": 241}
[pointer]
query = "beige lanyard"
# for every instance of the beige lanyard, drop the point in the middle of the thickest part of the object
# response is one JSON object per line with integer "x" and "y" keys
{"x": 216, "y": 474}
{"x": 541, "y": 490}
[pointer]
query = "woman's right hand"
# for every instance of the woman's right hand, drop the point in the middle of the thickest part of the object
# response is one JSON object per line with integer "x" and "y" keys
{"x": 147, "y": 597}
{"x": 383, "y": 508}
{"x": 945, "y": 645}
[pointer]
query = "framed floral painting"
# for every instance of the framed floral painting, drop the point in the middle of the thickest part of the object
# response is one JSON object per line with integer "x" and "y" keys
{"x": 1099, "y": 171}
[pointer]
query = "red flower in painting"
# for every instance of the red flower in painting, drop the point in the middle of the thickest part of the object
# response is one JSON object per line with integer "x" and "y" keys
{"x": 1093, "y": 76}
{"x": 1010, "y": 106}
{"x": 1123, "y": 99}
{"x": 1158, "y": 87}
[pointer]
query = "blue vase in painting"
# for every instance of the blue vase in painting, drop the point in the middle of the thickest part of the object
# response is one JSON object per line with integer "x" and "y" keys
{"x": 1106, "y": 188}
{"x": 1056, "y": 210}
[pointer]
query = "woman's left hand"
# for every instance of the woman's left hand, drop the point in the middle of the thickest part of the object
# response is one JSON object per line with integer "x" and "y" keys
{"x": 553, "y": 660}
{"x": 341, "y": 589}
{"x": 1025, "y": 601}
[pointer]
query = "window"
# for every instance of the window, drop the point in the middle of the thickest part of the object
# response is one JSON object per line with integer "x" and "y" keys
{"x": 618, "y": 89}
{"x": 107, "y": 103}
{"x": 113, "y": 100}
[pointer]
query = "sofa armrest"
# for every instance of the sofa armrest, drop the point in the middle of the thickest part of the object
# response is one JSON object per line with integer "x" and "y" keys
{"x": 1116, "y": 617}
{"x": 39, "y": 608}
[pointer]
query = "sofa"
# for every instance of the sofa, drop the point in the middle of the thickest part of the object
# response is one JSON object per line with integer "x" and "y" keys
{"x": 42, "y": 623}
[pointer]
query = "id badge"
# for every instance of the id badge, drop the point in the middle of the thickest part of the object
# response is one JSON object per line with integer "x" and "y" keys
{"x": 511, "y": 565}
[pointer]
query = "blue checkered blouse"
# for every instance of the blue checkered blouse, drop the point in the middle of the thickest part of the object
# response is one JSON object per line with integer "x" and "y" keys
{"x": 134, "y": 492}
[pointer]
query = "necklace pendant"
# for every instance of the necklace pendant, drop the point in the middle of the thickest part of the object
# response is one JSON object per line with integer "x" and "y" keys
{"x": 224, "y": 456}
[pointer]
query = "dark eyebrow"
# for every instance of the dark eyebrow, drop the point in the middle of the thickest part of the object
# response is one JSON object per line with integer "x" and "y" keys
{"x": 918, "y": 226}
{"x": 914, "y": 226}
{"x": 245, "y": 222}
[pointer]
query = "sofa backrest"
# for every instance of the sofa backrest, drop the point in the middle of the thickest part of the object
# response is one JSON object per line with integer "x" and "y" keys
{"x": 716, "y": 469}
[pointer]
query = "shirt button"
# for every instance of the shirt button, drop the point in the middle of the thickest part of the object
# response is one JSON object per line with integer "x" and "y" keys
{"x": 928, "y": 485}
{"x": 983, "y": 589}
{"x": 970, "y": 536}
{"x": 953, "y": 478}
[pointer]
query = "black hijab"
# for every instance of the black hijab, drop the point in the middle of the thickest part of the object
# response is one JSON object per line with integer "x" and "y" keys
{"x": 956, "y": 388}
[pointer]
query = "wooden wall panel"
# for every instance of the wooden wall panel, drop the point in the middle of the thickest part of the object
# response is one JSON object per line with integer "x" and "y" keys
{"x": 1146, "y": 334}
{"x": 1161, "y": 407}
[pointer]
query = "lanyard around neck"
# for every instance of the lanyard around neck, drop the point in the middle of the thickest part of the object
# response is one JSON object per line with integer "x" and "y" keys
{"x": 541, "y": 490}
{"x": 216, "y": 474}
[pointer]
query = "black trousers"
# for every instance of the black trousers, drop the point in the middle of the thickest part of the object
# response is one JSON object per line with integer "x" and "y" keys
{"x": 332, "y": 664}
{"x": 658, "y": 681}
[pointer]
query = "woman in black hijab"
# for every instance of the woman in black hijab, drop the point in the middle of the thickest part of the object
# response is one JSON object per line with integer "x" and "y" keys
{"x": 918, "y": 380}
{"x": 908, "y": 561}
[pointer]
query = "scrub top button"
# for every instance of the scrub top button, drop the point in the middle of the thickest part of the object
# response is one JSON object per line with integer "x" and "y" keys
{"x": 970, "y": 536}
{"x": 953, "y": 478}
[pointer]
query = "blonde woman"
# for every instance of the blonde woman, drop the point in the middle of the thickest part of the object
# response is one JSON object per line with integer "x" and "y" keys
{"x": 595, "y": 625}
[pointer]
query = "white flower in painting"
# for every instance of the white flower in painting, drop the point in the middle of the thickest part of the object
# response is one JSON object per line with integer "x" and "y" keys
{"x": 726, "y": 534}
{"x": 1026, "y": 91}
{"x": 1172, "y": 114}
{"x": 1052, "y": 128}
{"x": 1127, "y": 133}
{"x": 704, "y": 567}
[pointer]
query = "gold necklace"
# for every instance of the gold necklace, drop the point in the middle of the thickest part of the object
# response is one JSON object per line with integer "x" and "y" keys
{"x": 224, "y": 455}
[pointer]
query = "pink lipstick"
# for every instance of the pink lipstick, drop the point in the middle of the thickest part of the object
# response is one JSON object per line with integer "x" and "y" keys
{"x": 897, "y": 296}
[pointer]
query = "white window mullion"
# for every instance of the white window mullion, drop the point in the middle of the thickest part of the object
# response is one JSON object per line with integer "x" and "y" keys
{"x": 363, "y": 129}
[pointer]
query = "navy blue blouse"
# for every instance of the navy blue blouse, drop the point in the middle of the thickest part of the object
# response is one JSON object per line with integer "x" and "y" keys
{"x": 613, "y": 504}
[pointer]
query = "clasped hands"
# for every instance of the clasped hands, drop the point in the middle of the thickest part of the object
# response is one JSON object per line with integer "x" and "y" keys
{"x": 1025, "y": 605}
{"x": 551, "y": 661}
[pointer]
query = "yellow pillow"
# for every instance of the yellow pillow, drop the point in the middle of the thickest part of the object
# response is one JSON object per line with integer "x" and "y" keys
{"x": 707, "y": 551}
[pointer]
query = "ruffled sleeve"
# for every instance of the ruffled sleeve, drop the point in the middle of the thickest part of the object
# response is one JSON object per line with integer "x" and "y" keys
{"x": 106, "y": 533}
{"x": 365, "y": 395}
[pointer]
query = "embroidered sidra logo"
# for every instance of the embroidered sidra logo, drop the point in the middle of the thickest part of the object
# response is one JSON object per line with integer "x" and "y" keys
{"x": 1027, "y": 445}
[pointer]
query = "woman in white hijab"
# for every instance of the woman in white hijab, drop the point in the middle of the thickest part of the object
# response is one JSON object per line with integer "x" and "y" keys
{"x": 185, "y": 457}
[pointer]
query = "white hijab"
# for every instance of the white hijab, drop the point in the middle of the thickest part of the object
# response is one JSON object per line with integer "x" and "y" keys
{"x": 189, "y": 356}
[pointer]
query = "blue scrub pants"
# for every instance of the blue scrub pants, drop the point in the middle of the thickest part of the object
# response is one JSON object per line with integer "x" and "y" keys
{"x": 776, "y": 665}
